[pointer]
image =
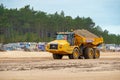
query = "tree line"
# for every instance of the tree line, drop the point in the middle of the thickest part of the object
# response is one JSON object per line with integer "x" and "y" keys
{"x": 27, "y": 25}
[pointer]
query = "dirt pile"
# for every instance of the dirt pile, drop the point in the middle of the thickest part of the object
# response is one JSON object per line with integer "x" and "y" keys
{"x": 85, "y": 33}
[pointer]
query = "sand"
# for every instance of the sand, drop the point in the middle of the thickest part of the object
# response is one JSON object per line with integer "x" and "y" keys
{"x": 20, "y": 65}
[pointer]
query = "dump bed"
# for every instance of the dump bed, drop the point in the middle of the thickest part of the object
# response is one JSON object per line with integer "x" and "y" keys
{"x": 84, "y": 36}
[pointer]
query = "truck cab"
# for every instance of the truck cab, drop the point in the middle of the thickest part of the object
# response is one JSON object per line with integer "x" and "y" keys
{"x": 68, "y": 36}
{"x": 62, "y": 44}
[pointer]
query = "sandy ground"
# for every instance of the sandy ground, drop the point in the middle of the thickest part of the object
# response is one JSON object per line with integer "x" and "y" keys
{"x": 20, "y": 65}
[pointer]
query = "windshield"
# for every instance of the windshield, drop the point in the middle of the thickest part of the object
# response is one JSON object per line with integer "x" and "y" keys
{"x": 61, "y": 37}
{"x": 68, "y": 37}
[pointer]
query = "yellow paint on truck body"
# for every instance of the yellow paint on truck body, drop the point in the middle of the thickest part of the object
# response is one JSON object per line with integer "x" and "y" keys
{"x": 64, "y": 47}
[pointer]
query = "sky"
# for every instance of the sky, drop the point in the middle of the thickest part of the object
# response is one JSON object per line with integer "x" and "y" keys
{"x": 105, "y": 13}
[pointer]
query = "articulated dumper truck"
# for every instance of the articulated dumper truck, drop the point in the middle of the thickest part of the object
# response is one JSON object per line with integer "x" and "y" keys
{"x": 78, "y": 44}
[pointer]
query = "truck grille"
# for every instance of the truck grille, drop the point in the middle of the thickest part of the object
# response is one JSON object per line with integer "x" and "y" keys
{"x": 53, "y": 46}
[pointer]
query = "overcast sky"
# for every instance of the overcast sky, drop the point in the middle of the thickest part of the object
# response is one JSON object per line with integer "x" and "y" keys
{"x": 105, "y": 13}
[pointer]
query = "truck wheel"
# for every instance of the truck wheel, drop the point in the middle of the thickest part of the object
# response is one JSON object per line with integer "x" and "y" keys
{"x": 75, "y": 54}
{"x": 57, "y": 56}
{"x": 81, "y": 57}
{"x": 89, "y": 53}
{"x": 96, "y": 53}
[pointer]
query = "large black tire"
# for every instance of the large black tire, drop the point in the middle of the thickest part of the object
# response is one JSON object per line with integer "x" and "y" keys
{"x": 96, "y": 53}
{"x": 57, "y": 56}
{"x": 81, "y": 52}
{"x": 81, "y": 57}
{"x": 89, "y": 53}
{"x": 75, "y": 54}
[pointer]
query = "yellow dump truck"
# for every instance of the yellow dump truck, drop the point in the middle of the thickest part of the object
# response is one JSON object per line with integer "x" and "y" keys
{"x": 76, "y": 45}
